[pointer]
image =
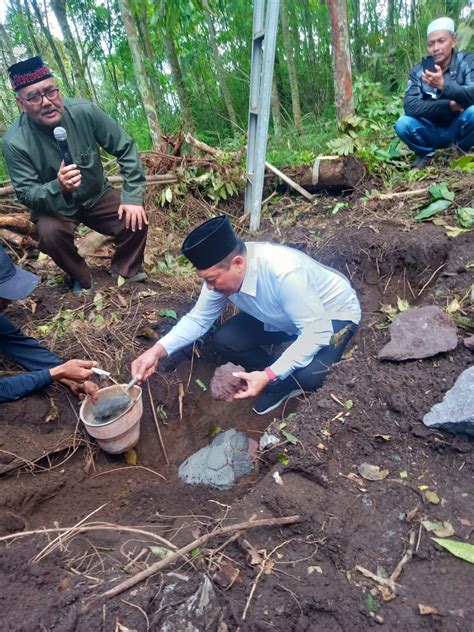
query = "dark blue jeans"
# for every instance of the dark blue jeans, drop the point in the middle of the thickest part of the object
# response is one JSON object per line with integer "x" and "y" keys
{"x": 424, "y": 137}
{"x": 240, "y": 339}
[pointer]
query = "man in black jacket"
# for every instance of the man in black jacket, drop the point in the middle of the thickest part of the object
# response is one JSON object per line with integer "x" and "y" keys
{"x": 439, "y": 105}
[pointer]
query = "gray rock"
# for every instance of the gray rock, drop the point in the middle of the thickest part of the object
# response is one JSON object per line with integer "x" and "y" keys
{"x": 228, "y": 457}
{"x": 188, "y": 604}
{"x": 469, "y": 342}
{"x": 456, "y": 412}
{"x": 420, "y": 333}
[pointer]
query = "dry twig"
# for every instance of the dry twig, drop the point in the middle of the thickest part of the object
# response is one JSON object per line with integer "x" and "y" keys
{"x": 170, "y": 559}
{"x": 387, "y": 585}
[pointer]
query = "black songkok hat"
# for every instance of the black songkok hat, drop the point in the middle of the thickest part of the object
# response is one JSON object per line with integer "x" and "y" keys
{"x": 210, "y": 242}
{"x": 26, "y": 73}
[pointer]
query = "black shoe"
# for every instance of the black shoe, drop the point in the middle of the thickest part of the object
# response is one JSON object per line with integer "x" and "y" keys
{"x": 273, "y": 396}
{"x": 422, "y": 162}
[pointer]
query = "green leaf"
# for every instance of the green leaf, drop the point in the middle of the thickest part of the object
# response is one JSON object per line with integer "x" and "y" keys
{"x": 463, "y": 321}
{"x": 201, "y": 384}
{"x": 465, "y": 163}
{"x": 194, "y": 552}
{"x": 465, "y": 216}
{"x": 283, "y": 458}
{"x": 403, "y": 474}
{"x": 441, "y": 191}
{"x": 432, "y": 497}
{"x": 338, "y": 207}
{"x": 289, "y": 437}
{"x": 160, "y": 551}
{"x": 214, "y": 431}
{"x": 348, "y": 404}
{"x": 169, "y": 195}
{"x": 120, "y": 280}
{"x": 168, "y": 313}
{"x": 464, "y": 550}
{"x": 433, "y": 209}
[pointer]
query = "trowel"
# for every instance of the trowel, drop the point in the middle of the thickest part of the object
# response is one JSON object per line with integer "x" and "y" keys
{"x": 110, "y": 408}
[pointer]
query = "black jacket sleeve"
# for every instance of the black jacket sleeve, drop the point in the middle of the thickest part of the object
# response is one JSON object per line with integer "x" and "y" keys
{"x": 30, "y": 354}
{"x": 419, "y": 101}
{"x": 462, "y": 93}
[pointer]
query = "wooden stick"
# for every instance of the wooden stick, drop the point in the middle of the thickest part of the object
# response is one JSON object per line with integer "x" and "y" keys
{"x": 92, "y": 526}
{"x": 170, "y": 559}
{"x": 290, "y": 182}
{"x": 207, "y": 149}
{"x": 155, "y": 418}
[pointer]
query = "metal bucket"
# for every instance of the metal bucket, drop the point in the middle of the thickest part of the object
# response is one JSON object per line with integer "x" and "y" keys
{"x": 121, "y": 433}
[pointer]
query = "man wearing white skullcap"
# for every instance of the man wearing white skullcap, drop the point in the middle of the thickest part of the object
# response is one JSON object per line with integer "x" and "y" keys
{"x": 439, "y": 99}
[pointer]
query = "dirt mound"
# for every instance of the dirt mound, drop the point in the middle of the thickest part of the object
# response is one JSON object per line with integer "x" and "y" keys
{"x": 305, "y": 575}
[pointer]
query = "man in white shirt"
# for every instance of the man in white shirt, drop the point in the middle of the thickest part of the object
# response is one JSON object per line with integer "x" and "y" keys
{"x": 283, "y": 296}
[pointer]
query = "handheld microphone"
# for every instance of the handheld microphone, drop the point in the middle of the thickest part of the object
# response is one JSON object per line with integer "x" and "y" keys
{"x": 61, "y": 138}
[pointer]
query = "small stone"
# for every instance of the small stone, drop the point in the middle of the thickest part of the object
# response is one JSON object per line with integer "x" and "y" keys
{"x": 469, "y": 342}
{"x": 223, "y": 384}
{"x": 420, "y": 333}
{"x": 456, "y": 412}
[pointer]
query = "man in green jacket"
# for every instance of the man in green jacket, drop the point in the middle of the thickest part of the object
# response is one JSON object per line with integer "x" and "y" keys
{"x": 61, "y": 196}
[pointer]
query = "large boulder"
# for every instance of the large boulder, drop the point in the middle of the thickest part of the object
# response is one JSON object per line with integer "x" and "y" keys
{"x": 456, "y": 412}
{"x": 420, "y": 333}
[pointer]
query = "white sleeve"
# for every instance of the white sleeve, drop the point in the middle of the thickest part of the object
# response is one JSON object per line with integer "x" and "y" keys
{"x": 302, "y": 304}
{"x": 195, "y": 323}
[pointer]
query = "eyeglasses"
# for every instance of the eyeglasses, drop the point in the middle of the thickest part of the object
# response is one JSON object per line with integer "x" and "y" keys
{"x": 51, "y": 94}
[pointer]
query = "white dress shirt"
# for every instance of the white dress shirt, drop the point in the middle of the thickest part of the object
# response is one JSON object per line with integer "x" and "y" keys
{"x": 287, "y": 291}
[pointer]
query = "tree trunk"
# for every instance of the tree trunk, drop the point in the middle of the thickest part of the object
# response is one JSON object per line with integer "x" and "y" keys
{"x": 295, "y": 97}
{"x": 276, "y": 109}
{"x": 178, "y": 81}
{"x": 59, "y": 10}
{"x": 220, "y": 68}
{"x": 7, "y": 46}
{"x": 140, "y": 71}
{"x": 30, "y": 29}
{"x": 156, "y": 90}
{"x": 341, "y": 59}
{"x": 357, "y": 34}
{"x": 54, "y": 49}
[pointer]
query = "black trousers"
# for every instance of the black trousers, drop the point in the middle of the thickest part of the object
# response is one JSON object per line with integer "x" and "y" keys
{"x": 241, "y": 338}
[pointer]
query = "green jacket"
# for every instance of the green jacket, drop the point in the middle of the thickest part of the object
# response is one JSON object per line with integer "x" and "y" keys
{"x": 33, "y": 158}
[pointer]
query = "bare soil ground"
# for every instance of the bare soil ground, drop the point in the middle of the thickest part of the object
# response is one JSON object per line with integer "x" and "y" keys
{"x": 54, "y": 476}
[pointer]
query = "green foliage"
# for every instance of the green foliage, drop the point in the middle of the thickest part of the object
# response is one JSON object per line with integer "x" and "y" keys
{"x": 369, "y": 133}
{"x": 465, "y": 216}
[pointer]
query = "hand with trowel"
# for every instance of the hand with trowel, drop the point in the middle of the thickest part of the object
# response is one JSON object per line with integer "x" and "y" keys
{"x": 111, "y": 407}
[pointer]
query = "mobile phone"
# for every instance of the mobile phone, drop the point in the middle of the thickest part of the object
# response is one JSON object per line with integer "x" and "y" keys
{"x": 428, "y": 63}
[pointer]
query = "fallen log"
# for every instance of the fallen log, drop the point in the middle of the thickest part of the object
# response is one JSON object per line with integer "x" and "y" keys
{"x": 289, "y": 182}
{"x": 18, "y": 222}
{"x": 19, "y": 241}
{"x": 330, "y": 172}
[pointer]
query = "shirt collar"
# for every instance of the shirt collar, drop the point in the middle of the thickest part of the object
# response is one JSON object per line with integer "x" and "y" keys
{"x": 249, "y": 284}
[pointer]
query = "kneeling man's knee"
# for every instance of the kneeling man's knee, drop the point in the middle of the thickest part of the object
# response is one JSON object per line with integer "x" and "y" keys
{"x": 404, "y": 126}
{"x": 468, "y": 115}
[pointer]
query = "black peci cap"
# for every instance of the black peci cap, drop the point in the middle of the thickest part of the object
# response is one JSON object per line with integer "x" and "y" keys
{"x": 28, "y": 72}
{"x": 210, "y": 242}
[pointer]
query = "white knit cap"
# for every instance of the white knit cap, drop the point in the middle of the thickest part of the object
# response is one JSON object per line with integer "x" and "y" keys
{"x": 441, "y": 24}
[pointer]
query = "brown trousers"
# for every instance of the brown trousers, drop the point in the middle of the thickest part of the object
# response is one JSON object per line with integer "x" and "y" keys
{"x": 57, "y": 239}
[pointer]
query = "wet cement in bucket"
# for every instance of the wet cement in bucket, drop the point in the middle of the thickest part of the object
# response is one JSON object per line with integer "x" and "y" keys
{"x": 108, "y": 409}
